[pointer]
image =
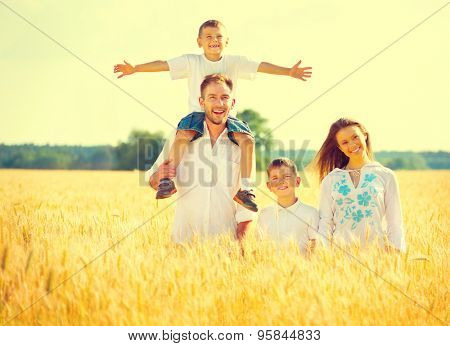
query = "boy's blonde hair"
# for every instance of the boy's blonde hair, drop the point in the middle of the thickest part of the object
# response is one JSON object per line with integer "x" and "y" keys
{"x": 282, "y": 161}
{"x": 212, "y": 23}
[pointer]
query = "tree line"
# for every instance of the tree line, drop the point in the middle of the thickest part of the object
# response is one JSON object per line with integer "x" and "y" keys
{"x": 141, "y": 149}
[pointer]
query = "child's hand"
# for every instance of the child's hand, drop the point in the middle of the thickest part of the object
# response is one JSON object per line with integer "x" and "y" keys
{"x": 124, "y": 69}
{"x": 300, "y": 72}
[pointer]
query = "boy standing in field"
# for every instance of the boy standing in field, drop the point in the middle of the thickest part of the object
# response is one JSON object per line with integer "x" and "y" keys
{"x": 213, "y": 39}
{"x": 288, "y": 219}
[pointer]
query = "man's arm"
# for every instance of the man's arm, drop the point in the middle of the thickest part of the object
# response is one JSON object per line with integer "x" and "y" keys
{"x": 310, "y": 248}
{"x": 162, "y": 167}
{"x": 294, "y": 71}
{"x": 165, "y": 170}
{"x": 154, "y": 180}
{"x": 244, "y": 216}
{"x": 154, "y": 66}
{"x": 242, "y": 229}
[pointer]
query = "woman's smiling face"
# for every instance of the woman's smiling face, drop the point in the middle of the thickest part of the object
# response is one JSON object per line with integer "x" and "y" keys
{"x": 351, "y": 141}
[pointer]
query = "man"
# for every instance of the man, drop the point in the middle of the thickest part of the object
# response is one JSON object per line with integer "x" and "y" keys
{"x": 208, "y": 177}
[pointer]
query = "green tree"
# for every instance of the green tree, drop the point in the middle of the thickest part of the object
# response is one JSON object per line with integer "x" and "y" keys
{"x": 102, "y": 158}
{"x": 263, "y": 136}
{"x": 140, "y": 151}
{"x": 412, "y": 162}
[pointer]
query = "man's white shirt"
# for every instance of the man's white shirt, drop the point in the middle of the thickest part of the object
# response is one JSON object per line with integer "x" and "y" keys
{"x": 297, "y": 223}
{"x": 207, "y": 179}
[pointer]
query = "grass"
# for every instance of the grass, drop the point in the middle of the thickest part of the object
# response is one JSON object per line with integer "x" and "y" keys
{"x": 55, "y": 227}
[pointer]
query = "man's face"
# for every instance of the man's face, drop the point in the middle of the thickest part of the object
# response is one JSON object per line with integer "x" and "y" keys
{"x": 217, "y": 102}
{"x": 283, "y": 181}
{"x": 213, "y": 40}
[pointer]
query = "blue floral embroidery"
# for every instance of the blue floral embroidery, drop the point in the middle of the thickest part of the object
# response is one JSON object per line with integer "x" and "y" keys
{"x": 355, "y": 205}
{"x": 357, "y": 216}
{"x": 368, "y": 178}
{"x": 372, "y": 190}
{"x": 347, "y": 214}
{"x": 344, "y": 190}
{"x": 341, "y": 201}
{"x": 364, "y": 199}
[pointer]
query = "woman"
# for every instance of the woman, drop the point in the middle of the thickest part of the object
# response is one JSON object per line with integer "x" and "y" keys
{"x": 359, "y": 198}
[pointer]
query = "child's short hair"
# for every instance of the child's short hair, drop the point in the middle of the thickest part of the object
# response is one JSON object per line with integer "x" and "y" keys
{"x": 210, "y": 24}
{"x": 216, "y": 78}
{"x": 282, "y": 161}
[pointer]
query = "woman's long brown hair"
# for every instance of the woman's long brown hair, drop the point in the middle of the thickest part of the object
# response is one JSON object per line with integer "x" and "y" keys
{"x": 330, "y": 156}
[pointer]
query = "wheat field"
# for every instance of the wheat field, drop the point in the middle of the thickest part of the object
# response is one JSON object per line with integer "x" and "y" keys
{"x": 93, "y": 248}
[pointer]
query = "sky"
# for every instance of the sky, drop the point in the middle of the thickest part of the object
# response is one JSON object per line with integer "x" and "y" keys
{"x": 363, "y": 68}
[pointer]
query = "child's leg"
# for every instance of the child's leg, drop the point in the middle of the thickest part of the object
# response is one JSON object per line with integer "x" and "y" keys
{"x": 246, "y": 144}
{"x": 179, "y": 146}
{"x": 166, "y": 187}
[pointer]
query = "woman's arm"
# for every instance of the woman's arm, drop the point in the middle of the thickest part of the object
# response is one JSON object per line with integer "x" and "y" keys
{"x": 394, "y": 217}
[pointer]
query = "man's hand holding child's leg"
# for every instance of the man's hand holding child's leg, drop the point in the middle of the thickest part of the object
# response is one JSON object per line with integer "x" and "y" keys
{"x": 245, "y": 195}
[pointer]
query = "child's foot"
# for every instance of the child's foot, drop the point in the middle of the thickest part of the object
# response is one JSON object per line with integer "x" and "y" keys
{"x": 246, "y": 198}
{"x": 166, "y": 188}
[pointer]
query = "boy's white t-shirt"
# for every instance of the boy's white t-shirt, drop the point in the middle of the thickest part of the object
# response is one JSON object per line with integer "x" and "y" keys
{"x": 194, "y": 67}
{"x": 298, "y": 223}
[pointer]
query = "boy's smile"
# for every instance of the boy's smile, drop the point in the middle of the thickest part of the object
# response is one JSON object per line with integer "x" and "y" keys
{"x": 213, "y": 40}
{"x": 282, "y": 182}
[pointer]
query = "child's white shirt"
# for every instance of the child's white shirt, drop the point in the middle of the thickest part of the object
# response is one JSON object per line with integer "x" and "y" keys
{"x": 195, "y": 67}
{"x": 298, "y": 223}
{"x": 363, "y": 213}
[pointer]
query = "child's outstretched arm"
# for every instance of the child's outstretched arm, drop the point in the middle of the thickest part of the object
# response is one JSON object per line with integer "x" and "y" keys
{"x": 154, "y": 66}
{"x": 294, "y": 71}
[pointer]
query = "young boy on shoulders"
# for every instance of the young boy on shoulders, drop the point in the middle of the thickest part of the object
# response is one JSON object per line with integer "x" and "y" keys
{"x": 213, "y": 39}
